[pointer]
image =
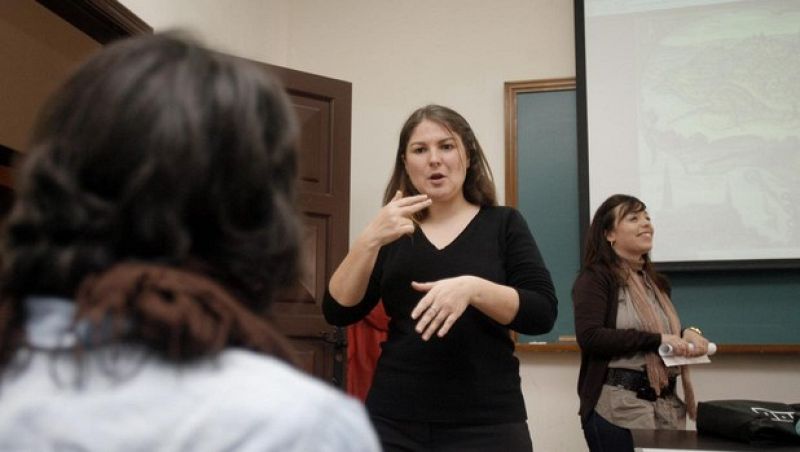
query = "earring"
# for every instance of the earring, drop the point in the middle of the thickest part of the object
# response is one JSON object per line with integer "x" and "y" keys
{"x": 611, "y": 242}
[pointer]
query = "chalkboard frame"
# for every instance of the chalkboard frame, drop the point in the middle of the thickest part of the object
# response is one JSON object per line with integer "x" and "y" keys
{"x": 512, "y": 90}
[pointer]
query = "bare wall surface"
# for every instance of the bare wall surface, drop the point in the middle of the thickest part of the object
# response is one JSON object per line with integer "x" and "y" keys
{"x": 398, "y": 55}
{"x": 402, "y": 55}
{"x": 254, "y": 29}
{"x": 37, "y": 53}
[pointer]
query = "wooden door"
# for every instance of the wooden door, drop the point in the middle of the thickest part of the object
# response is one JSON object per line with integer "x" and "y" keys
{"x": 323, "y": 107}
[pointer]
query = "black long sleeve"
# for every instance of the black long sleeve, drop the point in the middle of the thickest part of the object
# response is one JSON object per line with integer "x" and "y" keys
{"x": 471, "y": 374}
{"x": 527, "y": 273}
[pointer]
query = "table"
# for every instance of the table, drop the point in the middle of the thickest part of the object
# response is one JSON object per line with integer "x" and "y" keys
{"x": 690, "y": 440}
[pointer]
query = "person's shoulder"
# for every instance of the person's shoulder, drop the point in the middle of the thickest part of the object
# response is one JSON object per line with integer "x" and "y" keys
{"x": 593, "y": 275}
{"x": 591, "y": 272}
{"x": 280, "y": 401}
{"x": 502, "y": 214}
{"x": 262, "y": 374}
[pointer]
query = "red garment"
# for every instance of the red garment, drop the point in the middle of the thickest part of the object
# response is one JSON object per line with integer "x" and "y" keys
{"x": 364, "y": 340}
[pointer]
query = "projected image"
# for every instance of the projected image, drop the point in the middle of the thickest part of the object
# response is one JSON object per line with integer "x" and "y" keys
{"x": 719, "y": 145}
{"x": 715, "y": 108}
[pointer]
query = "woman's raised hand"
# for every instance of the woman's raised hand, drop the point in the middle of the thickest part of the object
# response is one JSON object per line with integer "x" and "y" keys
{"x": 698, "y": 345}
{"x": 395, "y": 219}
{"x": 349, "y": 282}
{"x": 679, "y": 346}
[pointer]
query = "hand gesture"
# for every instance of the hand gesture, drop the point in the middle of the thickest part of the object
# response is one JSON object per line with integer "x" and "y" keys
{"x": 698, "y": 345}
{"x": 394, "y": 219}
{"x": 679, "y": 346}
{"x": 445, "y": 301}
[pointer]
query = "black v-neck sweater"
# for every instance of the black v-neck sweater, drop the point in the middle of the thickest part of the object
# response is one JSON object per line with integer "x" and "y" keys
{"x": 471, "y": 375}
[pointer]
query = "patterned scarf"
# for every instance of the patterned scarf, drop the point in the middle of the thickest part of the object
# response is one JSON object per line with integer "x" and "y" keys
{"x": 657, "y": 373}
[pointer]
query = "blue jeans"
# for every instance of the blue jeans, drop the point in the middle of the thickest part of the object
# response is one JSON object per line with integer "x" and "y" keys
{"x": 603, "y": 436}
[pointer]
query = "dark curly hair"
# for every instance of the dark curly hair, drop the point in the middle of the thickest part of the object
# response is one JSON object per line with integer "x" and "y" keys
{"x": 156, "y": 150}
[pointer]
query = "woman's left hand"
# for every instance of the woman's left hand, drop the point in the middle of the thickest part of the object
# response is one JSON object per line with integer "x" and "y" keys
{"x": 698, "y": 344}
{"x": 442, "y": 305}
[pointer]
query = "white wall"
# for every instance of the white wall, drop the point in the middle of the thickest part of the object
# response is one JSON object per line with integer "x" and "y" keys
{"x": 255, "y": 29}
{"x": 402, "y": 55}
{"x": 398, "y": 55}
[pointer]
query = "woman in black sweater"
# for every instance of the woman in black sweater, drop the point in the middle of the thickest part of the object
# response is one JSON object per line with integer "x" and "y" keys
{"x": 623, "y": 313}
{"x": 455, "y": 273}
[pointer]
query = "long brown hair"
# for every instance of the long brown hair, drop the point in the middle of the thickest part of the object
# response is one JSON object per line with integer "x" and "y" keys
{"x": 478, "y": 186}
{"x": 599, "y": 256}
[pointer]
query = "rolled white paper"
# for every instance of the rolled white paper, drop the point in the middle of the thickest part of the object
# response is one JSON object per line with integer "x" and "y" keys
{"x": 666, "y": 349}
{"x": 670, "y": 359}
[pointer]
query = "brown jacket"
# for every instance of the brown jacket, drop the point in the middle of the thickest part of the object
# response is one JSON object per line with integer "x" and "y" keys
{"x": 594, "y": 299}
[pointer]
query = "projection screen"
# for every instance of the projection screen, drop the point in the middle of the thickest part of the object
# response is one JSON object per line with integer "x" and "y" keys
{"x": 694, "y": 106}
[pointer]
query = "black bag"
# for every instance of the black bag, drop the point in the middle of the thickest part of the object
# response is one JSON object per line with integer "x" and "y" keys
{"x": 750, "y": 421}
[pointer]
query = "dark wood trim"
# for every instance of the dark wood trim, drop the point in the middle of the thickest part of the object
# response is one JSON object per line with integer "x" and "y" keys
{"x": 7, "y": 159}
{"x": 555, "y": 347}
{"x": 7, "y": 155}
{"x": 341, "y": 94}
{"x": 102, "y": 20}
{"x": 511, "y": 90}
{"x": 583, "y": 138}
{"x": 6, "y": 177}
{"x": 731, "y": 265}
{"x": 729, "y": 349}
{"x": 762, "y": 349}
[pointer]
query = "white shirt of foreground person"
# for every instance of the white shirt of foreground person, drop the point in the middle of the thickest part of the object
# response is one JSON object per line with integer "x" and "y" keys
{"x": 239, "y": 401}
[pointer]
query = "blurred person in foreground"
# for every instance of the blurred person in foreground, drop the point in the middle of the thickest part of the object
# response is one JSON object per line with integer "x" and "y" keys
{"x": 153, "y": 224}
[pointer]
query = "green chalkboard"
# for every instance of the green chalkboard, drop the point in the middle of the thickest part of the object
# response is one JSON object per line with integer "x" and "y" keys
{"x": 742, "y": 307}
{"x": 547, "y": 178}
